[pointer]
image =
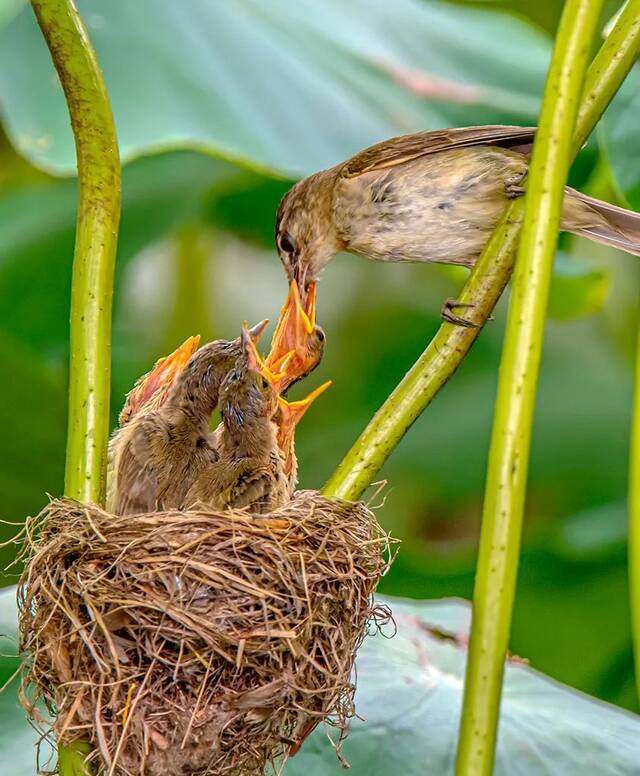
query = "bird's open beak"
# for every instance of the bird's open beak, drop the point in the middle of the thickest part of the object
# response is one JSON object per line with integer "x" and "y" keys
{"x": 291, "y": 412}
{"x": 254, "y": 359}
{"x": 161, "y": 377}
{"x": 288, "y": 346}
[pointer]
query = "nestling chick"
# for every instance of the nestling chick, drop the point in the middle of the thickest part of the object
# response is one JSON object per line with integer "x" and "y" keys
{"x": 298, "y": 342}
{"x": 426, "y": 197}
{"x": 149, "y": 393}
{"x": 248, "y": 472}
{"x": 161, "y": 452}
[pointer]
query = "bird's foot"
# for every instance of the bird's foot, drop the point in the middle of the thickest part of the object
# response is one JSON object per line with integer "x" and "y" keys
{"x": 447, "y": 314}
{"x": 513, "y": 185}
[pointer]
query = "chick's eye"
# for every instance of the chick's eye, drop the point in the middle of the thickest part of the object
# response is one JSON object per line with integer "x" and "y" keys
{"x": 286, "y": 244}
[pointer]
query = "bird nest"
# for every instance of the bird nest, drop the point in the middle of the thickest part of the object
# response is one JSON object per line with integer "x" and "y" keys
{"x": 196, "y": 642}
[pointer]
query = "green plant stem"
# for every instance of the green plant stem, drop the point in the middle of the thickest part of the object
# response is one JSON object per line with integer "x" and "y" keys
{"x": 95, "y": 248}
{"x": 511, "y": 436}
{"x": 93, "y": 266}
{"x": 634, "y": 521}
{"x": 483, "y": 288}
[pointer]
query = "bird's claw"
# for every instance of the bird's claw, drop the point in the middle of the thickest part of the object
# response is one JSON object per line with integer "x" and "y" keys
{"x": 513, "y": 185}
{"x": 447, "y": 314}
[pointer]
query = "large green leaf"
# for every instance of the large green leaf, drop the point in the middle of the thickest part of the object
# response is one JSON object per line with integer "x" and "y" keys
{"x": 289, "y": 87}
{"x": 621, "y": 138}
{"x": 409, "y": 695}
{"x": 37, "y": 225}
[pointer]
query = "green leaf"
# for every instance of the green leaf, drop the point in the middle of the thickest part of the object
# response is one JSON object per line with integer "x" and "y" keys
{"x": 577, "y": 289}
{"x": 9, "y": 9}
{"x": 37, "y": 224}
{"x": 409, "y": 694}
{"x": 269, "y": 82}
{"x": 621, "y": 140}
{"x": 596, "y": 533}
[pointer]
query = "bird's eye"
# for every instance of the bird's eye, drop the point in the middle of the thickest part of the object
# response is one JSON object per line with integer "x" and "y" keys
{"x": 265, "y": 383}
{"x": 320, "y": 334}
{"x": 286, "y": 244}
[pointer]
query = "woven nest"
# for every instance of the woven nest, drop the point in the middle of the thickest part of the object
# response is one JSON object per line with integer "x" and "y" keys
{"x": 196, "y": 642}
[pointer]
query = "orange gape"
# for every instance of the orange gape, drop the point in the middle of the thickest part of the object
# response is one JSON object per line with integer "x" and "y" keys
{"x": 150, "y": 390}
{"x": 297, "y": 344}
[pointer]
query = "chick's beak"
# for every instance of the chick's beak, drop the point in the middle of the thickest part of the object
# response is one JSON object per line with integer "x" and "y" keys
{"x": 291, "y": 412}
{"x": 160, "y": 378}
{"x": 295, "y": 325}
{"x": 255, "y": 332}
{"x": 254, "y": 359}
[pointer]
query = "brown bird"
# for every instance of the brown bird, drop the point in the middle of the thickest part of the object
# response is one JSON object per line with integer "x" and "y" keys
{"x": 248, "y": 472}
{"x": 149, "y": 393}
{"x": 159, "y": 453}
{"x": 426, "y": 197}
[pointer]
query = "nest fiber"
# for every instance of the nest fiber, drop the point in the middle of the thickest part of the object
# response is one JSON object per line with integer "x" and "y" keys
{"x": 196, "y": 642}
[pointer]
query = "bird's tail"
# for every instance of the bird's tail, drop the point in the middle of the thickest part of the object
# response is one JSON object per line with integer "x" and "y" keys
{"x": 601, "y": 222}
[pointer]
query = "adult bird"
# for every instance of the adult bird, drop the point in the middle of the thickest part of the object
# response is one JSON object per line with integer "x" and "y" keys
{"x": 161, "y": 452}
{"x": 426, "y": 197}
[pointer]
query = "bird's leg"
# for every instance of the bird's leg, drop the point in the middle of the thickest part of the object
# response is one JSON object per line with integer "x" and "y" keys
{"x": 513, "y": 185}
{"x": 447, "y": 314}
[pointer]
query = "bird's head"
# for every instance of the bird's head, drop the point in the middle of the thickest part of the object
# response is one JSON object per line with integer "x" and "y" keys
{"x": 197, "y": 386}
{"x": 305, "y": 236}
{"x": 151, "y": 390}
{"x": 248, "y": 390}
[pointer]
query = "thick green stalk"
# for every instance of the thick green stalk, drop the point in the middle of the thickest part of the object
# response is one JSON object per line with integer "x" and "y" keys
{"x": 483, "y": 288}
{"x": 634, "y": 521}
{"x": 509, "y": 452}
{"x": 93, "y": 266}
{"x": 95, "y": 248}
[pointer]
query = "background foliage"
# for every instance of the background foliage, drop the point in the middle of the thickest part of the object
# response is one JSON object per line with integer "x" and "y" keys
{"x": 237, "y": 99}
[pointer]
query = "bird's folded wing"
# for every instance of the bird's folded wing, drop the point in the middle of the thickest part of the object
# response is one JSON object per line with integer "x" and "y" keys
{"x": 252, "y": 488}
{"x": 399, "y": 150}
{"x": 136, "y": 480}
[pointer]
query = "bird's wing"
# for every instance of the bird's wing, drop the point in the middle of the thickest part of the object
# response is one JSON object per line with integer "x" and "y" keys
{"x": 252, "y": 488}
{"x": 137, "y": 482}
{"x": 408, "y": 147}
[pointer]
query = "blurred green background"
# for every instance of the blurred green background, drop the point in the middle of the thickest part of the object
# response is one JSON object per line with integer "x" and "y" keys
{"x": 219, "y": 107}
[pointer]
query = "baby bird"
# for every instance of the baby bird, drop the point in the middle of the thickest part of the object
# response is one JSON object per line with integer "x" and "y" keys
{"x": 149, "y": 393}
{"x": 249, "y": 470}
{"x": 161, "y": 452}
{"x": 298, "y": 342}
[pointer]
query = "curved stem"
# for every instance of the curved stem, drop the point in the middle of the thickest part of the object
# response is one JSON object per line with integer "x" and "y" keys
{"x": 93, "y": 266}
{"x": 510, "y": 442}
{"x": 95, "y": 248}
{"x": 434, "y": 367}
